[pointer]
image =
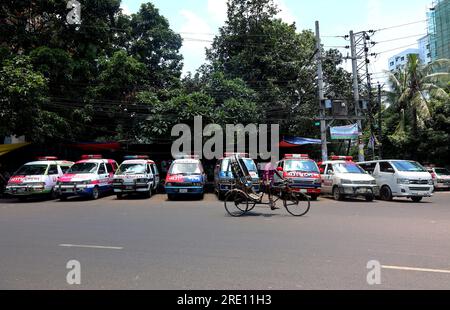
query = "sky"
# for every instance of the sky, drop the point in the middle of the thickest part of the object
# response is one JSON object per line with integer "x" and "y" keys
{"x": 201, "y": 19}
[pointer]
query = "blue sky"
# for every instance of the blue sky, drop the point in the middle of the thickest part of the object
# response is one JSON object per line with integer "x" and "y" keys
{"x": 200, "y": 20}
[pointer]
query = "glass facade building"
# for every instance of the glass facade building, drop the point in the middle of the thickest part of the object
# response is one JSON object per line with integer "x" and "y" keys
{"x": 439, "y": 29}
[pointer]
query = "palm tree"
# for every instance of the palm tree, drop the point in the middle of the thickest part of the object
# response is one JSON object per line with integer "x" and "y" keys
{"x": 413, "y": 86}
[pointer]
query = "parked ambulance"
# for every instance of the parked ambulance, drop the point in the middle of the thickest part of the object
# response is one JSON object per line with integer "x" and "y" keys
{"x": 303, "y": 172}
{"x": 37, "y": 178}
{"x": 223, "y": 176}
{"x": 400, "y": 178}
{"x": 186, "y": 176}
{"x": 341, "y": 177}
{"x": 89, "y": 177}
{"x": 137, "y": 174}
{"x": 441, "y": 177}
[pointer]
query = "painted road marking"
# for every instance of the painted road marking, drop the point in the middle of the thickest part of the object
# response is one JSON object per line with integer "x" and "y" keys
{"x": 90, "y": 246}
{"x": 416, "y": 269}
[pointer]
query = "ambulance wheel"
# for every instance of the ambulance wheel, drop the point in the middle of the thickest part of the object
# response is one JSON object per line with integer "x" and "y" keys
{"x": 22, "y": 199}
{"x": 337, "y": 194}
{"x": 201, "y": 196}
{"x": 386, "y": 193}
{"x": 221, "y": 196}
{"x": 170, "y": 197}
{"x": 148, "y": 194}
{"x": 119, "y": 196}
{"x": 314, "y": 197}
{"x": 370, "y": 198}
{"x": 53, "y": 195}
{"x": 417, "y": 199}
{"x": 95, "y": 193}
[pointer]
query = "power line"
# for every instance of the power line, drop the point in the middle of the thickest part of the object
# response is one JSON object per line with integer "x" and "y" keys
{"x": 402, "y": 25}
{"x": 401, "y": 38}
{"x": 394, "y": 49}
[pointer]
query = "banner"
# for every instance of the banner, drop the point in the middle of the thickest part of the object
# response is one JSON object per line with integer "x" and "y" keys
{"x": 297, "y": 141}
{"x": 350, "y": 132}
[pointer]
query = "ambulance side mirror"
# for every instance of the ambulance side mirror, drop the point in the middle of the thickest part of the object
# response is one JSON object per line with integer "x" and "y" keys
{"x": 330, "y": 172}
{"x": 280, "y": 169}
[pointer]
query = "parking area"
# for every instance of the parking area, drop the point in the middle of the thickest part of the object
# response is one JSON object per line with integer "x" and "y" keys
{"x": 159, "y": 244}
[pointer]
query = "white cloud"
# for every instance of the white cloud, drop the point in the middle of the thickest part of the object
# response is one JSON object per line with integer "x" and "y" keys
{"x": 399, "y": 38}
{"x": 195, "y": 32}
{"x": 125, "y": 9}
{"x": 218, "y": 10}
{"x": 285, "y": 13}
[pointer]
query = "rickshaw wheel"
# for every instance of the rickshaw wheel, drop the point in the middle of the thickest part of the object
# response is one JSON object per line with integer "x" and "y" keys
{"x": 294, "y": 205}
{"x": 236, "y": 203}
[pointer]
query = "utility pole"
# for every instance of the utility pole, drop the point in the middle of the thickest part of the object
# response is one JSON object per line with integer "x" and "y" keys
{"x": 323, "y": 122}
{"x": 380, "y": 123}
{"x": 369, "y": 90}
{"x": 356, "y": 92}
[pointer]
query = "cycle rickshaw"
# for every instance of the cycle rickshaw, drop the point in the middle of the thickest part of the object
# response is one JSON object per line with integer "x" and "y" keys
{"x": 242, "y": 198}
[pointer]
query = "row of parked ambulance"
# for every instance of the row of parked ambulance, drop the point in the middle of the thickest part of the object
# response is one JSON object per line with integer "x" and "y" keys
{"x": 339, "y": 177}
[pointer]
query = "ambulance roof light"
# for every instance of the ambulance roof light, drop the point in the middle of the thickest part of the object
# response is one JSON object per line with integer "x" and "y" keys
{"x": 229, "y": 154}
{"x": 186, "y": 156}
{"x": 44, "y": 158}
{"x": 131, "y": 157}
{"x": 91, "y": 157}
{"x": 346, "y": 158}
{"x": 296, "y": 156}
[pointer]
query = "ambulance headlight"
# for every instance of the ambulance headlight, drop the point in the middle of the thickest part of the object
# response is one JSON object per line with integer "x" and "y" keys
{"x": 346, "y": 182}
{"x": 430, "y": 182}
{"x": 141, "y": 180}
{"x": 373, "y": 182}
{"x": 404, "y": 181}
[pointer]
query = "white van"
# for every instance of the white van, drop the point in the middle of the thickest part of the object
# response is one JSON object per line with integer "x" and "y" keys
{"x": 342, "y": 178}
{"x": 400, "y": 178}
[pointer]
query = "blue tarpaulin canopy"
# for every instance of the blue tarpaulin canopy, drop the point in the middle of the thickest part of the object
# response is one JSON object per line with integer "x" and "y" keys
{"x": 298, "y": 141}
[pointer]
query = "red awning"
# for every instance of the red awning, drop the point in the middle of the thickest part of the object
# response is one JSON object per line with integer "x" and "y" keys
{"x": 284, "y": 144}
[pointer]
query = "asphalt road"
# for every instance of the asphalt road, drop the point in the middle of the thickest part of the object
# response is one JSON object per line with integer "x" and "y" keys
{"x": 160, "y": 244}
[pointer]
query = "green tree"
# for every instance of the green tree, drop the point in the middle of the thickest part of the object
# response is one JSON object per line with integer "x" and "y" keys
{"x": 153, "y": 43}
{"x": 414, "y": 96}
{"x": 276, "y": 62}
{"x": 22, "y": 92}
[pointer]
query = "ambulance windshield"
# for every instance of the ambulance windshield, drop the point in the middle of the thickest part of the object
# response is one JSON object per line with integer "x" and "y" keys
{"x": 301, "y": 166}
{"x": 348, "y": 168}
{"x": 83, "y": 168}
{"x": 131, "y": 169}
{"x": 32, "y": 170}
{"x": 249, "y": 163}
{"x": 185, "y": 168}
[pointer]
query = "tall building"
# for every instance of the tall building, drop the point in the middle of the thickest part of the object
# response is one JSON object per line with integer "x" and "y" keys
{"x": 424, "y": 50}
{"x": 399, "y": 61}
{"x": 439, "y": 29}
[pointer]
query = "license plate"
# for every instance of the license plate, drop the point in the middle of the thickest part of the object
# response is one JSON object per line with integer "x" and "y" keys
{"x": 183, "y": 191}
